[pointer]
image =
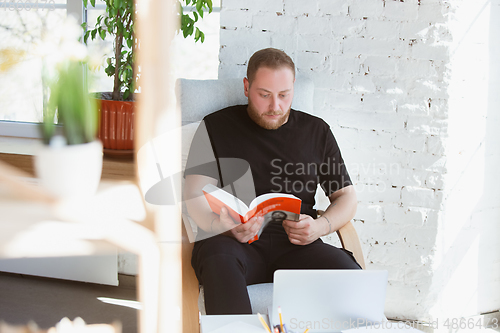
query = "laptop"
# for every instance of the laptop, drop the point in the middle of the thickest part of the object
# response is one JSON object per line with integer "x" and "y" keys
{"x": 328, "y": 300}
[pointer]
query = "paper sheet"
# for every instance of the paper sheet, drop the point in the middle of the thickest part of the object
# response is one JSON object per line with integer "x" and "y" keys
{"x": 240, "y": 327}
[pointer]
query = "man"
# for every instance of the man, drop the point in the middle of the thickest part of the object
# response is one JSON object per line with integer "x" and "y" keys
{"x": 287, "y": 151}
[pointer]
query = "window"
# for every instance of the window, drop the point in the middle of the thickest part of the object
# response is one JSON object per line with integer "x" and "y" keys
{"x": 22, "y": 26}
{"x": 197, "y": 60}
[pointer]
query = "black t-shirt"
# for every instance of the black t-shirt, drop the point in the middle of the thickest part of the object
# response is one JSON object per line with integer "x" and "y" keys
{"x": 294, "y": 158}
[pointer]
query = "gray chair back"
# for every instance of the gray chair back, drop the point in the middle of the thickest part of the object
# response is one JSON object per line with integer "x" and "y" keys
{"x": 198, "y": 98}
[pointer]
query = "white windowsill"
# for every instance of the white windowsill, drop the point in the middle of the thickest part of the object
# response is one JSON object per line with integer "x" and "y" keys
{"x": 21, "y": 146}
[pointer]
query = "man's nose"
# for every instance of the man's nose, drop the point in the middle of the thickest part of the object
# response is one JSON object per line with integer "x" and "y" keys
{"x": 275, "y": 105}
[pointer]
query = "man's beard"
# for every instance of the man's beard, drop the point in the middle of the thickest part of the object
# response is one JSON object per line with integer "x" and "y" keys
{"x": 263, "y": 122}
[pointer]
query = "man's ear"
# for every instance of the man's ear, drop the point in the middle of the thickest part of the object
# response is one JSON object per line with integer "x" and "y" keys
{"x": 246, "y": 85}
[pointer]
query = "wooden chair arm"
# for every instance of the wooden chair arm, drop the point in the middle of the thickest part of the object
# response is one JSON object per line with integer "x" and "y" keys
{"x": 190, "y": 288}
{"x": 350, "y": 241}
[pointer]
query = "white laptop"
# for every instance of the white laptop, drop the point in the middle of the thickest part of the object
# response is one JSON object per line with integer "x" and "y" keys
{"x": 328, "y": 300}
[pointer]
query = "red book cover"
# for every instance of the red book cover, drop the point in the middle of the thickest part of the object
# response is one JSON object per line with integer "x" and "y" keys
{"x": 273, "y": 206}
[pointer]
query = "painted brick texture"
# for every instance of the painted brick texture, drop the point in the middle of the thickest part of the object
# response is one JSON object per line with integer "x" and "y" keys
{"x": 385, "y": 74}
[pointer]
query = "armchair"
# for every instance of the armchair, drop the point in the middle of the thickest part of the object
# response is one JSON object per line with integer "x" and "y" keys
{"x": 198, "y": 98}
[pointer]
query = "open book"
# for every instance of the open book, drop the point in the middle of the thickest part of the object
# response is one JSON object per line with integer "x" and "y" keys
{"x": 273, "y": 206}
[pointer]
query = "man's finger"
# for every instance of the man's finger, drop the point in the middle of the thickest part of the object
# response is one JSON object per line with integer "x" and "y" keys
{"x": 251, "y": 225}
{"x": 294, "y": 224}
{"x": 224, "y": 215}
{"x": 257, "y": 224}
{"x": 294, "y": 235}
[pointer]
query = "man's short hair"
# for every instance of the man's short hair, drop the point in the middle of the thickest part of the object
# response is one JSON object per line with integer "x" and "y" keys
{"x": 270, "y": 58}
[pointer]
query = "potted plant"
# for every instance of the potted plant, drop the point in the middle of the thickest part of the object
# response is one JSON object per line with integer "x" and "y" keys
{"x": 70, "y": 162}
{"x": 117, "y": 107}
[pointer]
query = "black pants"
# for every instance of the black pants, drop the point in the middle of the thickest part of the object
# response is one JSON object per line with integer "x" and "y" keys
{"x": 225, "y": 267}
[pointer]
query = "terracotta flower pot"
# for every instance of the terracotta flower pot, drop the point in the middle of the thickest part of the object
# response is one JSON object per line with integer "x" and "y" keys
{"x": 116, "y": 124}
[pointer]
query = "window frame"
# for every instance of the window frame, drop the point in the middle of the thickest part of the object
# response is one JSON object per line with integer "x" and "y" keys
{"x": 22, "y": 129}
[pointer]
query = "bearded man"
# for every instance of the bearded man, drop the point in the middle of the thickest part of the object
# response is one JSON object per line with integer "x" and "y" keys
{"x": 287, "y": 151}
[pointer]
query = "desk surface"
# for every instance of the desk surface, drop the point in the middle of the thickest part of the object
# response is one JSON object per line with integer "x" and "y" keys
{"x": 232, "y": 323}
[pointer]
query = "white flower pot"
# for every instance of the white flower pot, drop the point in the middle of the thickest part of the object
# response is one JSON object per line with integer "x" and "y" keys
{"x": 70, "y": 171}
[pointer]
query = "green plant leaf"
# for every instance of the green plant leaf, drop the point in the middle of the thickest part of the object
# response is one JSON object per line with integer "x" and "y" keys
{"x": 75, "y": 112}
{"x": 86, "y": 36}
{"x": 92, "y": 2}
{"x": 119, "y": 27}
{"x": 119, "y": 13}
{"x": 49, "y": 113}
{"x": 85, "y": 3}
{"x": 126, "y": 94}
{"x": 183, "y": 21}
{"x": 102, "y": 33}
{"x": 110, "y": 70}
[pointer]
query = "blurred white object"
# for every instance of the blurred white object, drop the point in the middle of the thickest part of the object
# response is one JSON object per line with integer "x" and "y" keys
{"x": 70, "y": 171}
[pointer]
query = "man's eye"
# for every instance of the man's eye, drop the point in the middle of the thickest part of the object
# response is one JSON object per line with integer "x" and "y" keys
{"x": 264, "y": 96}
{"x": 283, "y": 95}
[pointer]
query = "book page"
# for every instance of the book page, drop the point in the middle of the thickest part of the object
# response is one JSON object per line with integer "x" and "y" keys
{"x": 218, "y": 198}
{"x": 280, "y": 204}
{"x": 261, "y": 198}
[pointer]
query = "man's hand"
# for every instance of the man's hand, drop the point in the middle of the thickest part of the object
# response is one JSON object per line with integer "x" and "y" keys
{"x": 306, "y": 230}
{"x": 243, "y": 232}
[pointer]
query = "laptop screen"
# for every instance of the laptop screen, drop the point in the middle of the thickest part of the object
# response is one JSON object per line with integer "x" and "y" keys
{"x": 328, "y": 300}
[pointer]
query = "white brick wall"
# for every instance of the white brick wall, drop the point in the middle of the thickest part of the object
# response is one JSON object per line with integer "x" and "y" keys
{"x": 404, "y": 86}
{"x": 365, "y": 8}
